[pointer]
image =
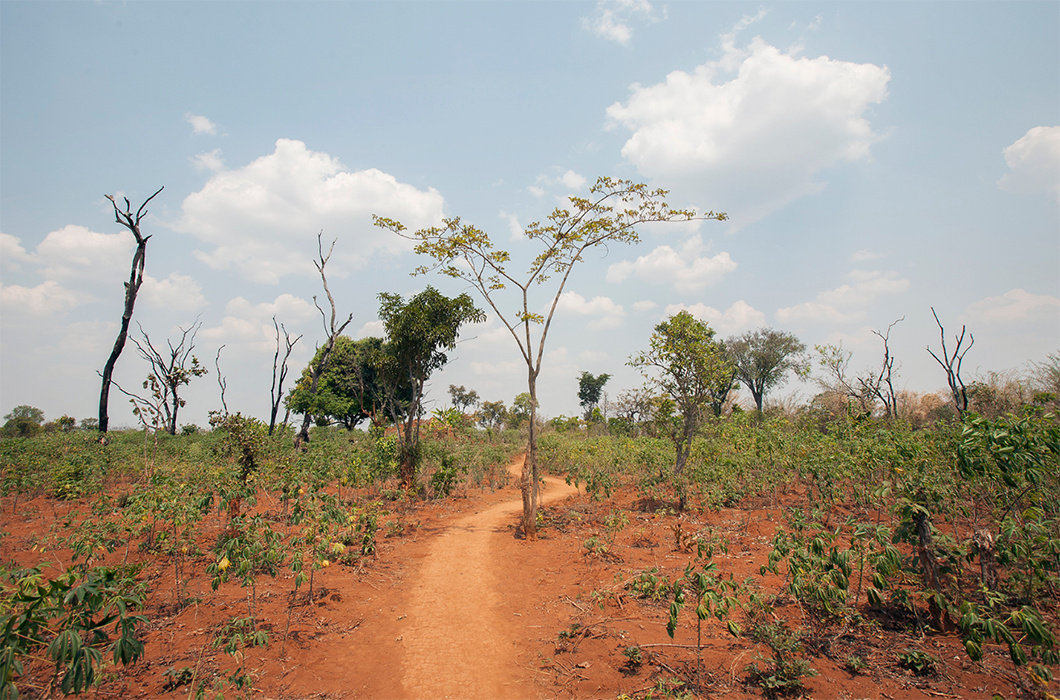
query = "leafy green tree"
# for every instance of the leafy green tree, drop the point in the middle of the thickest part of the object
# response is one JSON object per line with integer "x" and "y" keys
{"x": 522, "y": 410}
{"x": 763, "y": 359}
{"x": 23, "y": 421}
{"x": 686, "y": 363}
{"x": 417, "y": 333}
{"x": 350, "y": 388}
{"x": 589, "y": 390}
{"x": 462, "y": 398}
{"x": 608, "y": 216}
{"x": 492, "y": 414}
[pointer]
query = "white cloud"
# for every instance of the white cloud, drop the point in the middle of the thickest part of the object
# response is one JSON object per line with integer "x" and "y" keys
{"x": 816, "y": 312}
{"x": 536, "y": 191}
{"x": 46, "y": 299}
{"x": 568, "y": 180}
{"x": 866, "y": 255}
{"x": 12, "y": 254}
{"x": 1034, "y": 162}
{"x": 497, "y": 368}
{"x": 74, "y": 251}
{"x": 1017, "y": 306}
{"x": 572, "y": 180}
{"x": 211, "y": 160}
{"x": 683, "y": 269}
{"x": 741, "y": 316}
{"x": 262, "y": 219}
{"x": 594, "y": 356}
{"x": 515, "y": 229}
{"x": 178, "y": 292}
{"x": 372, "y": 329}
{"x": 754, "y": 128}
{"x": 645, "y": 305}
{"x": 609, "y": 313}
{"x": 845, "y": 303}
{"x": 200, "y": 124}
{"x": 251, "y": 324}
{"x": 612, "y": 19}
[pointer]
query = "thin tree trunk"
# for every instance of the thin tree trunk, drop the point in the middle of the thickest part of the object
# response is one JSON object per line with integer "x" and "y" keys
{"x": 529, "y": 480}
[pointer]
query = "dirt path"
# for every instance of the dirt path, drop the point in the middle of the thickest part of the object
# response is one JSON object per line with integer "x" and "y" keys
{"x": 458, "y": 643}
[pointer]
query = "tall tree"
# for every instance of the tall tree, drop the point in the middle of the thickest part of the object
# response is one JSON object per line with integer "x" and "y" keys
{"x": 171, "y": 370}
{"x": 350, "y": 389}
{"x": 763, "y": 359}
{"x": 687, "y": 363}
{"x": 417, "y": 333}
{"x": 462, "y": 398}
{"x": 609, "y": 215}
{"x": 331, "y": 329}
{"x": 132, "y": 288}
{"x": 589, "y": 389}
{"x": 951, "y": 363}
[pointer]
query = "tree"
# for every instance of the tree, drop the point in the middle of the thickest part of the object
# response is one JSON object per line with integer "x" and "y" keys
{"x": 279, "y": 371}
{"x": 589, "y": 390}
{"x": 331, "y": 329}
{"x": 523, "y": 409}
{"x": 132, "y": 287}
{"x": 493, "y": 414}
{"x": 687, "y": 364}
{"x": 417, "y": 333}
{"x": 951, "y": 363}
{"x": 350, "y": 389}
{"x": 171, "y": 371}
{"x": 23, "y": 421}
{"x": 763, "y": 359}
{"x": 462, "y": 398}
{"x": 609, "y": 215}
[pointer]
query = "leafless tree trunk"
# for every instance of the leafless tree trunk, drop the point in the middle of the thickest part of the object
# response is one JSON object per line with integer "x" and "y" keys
{"x": 952, "y": 364}
{"x": 276, "y": 391}
{"x": 172, "y": 371}
{"x": 132, "y": 287}
{"x": 221, "y": 381}
{"x": 881, "y": 385}
{"x": 332, "y": 331}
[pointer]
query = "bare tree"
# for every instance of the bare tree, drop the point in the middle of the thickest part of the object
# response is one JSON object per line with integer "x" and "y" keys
{"x": 333, "y": 333}
{"x": 880, "y": 385}
{"x": 132, "y": 287}
{"x": 952, "y": 364}
{"x": 222, "y": 383}
{"x": 279, "y": 371}
{"x": 171, "y": 370}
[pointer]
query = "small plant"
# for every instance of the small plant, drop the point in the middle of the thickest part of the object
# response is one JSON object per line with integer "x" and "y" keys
{"x": 787, "y": 670}
{"x": 235, "y": 638}
{"x": 919, "y": 662}
{"x": 650, "y": 585}
{"x": 175, "y": 678}
{"x": 856, "y": 665}
{"x": 634, "y": 656}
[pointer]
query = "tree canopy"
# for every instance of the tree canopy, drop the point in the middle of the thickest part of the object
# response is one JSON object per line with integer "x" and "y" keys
{"x": 691, "y": 367}
{"x": 589, "y": 389}
{"x": 350, "y": 388}
{"x": 763, "y": 359}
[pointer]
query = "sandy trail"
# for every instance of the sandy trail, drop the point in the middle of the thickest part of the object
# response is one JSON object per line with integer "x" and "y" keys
{"x": 458, "y": 644}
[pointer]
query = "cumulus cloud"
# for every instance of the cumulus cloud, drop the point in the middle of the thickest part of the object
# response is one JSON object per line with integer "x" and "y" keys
{"x": 178, "y": 292}
{"x": 608, "y": 314}
{"x": 741, "y": 316}
{"x": 845, "y": 303}
{"x": 515, "y": 229}
{"x": 645, "y": 305}
{"x": 12, "y": 253}
{"x": 251, "y": 324}
{"x": 684, "y": 269}
{"x": 262, "y": 219}
{"x": 1034, "y": 162}
{"x": 200, "y": 124}
{"x": 1016, "y": 306}
{"x": 569, "y": 180}
{"x": 46, "y": 299}
{"x": 74, "y": 251}
{"x": 754, "y": 128}
{"x": 611, "y": 19}
{"x": 210, "y": 160}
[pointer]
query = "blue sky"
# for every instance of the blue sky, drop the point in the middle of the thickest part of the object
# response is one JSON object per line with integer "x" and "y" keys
{"x": 876, "y": 159}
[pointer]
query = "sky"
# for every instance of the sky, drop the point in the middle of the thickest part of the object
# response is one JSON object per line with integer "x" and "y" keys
{"x": 876, "y": 159}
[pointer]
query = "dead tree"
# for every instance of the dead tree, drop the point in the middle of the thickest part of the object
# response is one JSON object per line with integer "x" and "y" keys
{"x": 171, "y": 371}
{"x": 880, "y": 385}
{"x": 132, "y": 287}
{"x": 952, "y": 364}
{"x": 279, "y": 371}
{"x": 222, "y": 383}
{"x": 333, "y": 332}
